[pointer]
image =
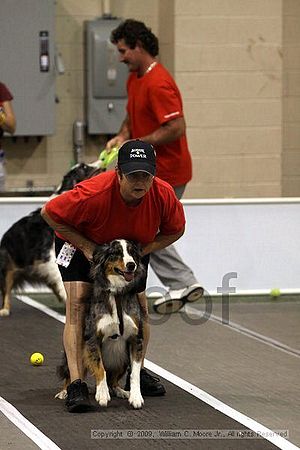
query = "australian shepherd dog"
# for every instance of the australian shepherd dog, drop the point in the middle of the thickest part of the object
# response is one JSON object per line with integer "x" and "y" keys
{"x": 113, "y": 335}
{"x": 27, "y": 255}
{"x": 27, "y": 248}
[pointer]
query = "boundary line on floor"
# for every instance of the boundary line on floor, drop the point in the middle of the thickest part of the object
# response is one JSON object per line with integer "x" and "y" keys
{"x": 30, "y": 430}
{"x": 246, "y": 331}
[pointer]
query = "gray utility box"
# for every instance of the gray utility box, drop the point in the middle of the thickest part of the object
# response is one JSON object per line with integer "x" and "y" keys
{"x": 106, "y": 79}
{"x": 27, "y": 63}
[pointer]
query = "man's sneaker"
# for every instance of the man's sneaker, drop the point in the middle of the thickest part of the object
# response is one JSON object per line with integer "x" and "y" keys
{"x": 150, "y": 385}
{"x": 174, "y": 300}
{"x": 77, "y": 397}
{"x": 193, "y": 293}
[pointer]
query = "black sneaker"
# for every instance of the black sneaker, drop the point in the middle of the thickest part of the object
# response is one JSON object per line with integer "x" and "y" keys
{"x": 150, "y": 385}
{"x": 77, "y": 397}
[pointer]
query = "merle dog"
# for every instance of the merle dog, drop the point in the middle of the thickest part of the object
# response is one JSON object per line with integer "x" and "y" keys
{"x": 27, "y": 248}
{"x": 114, "y": 327}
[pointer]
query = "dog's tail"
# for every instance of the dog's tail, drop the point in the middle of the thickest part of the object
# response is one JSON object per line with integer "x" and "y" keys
{"x": 62, "y": 371}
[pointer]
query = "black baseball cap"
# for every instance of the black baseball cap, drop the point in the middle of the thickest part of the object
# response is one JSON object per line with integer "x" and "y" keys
{"x": 137, "y": 156}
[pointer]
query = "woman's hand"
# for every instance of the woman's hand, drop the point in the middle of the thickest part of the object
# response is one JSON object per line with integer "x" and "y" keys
{"x": 88, "y": 250}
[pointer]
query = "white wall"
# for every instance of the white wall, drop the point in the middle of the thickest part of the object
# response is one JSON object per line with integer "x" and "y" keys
{"x": 258, "y": 239}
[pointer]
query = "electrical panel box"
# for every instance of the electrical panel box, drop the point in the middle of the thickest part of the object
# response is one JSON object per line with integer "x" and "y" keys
{"x": 27, "y": 63}
{"x": 106, "y": 79}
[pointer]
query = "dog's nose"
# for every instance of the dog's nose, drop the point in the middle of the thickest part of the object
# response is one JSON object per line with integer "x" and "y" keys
{"x": 114, "y": 336}
{"x": 130, "y": 266}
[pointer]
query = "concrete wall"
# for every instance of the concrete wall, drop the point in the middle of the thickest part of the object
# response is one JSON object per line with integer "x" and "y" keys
{"x": 291, "y": 99}
{"x": 238, "y": 73}
{"x": 45, "y": 162}
{"x": 228, "y": 64}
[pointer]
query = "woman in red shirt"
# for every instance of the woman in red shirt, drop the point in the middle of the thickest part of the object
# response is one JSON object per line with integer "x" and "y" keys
{"x": 130, "y": 203}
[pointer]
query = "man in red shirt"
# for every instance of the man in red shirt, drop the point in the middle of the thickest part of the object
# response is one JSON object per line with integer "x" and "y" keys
{"x": 130, "y": 203}
{"x": 155, "y": 115}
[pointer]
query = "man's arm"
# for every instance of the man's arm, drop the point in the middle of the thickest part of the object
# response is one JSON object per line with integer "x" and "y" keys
{"x": 168, "y": 132}
{"x": 7, "y": 118}
{"x": 71, "y": 235}
{"x": 161, "y": 241}
{"x": 122, "y": 136}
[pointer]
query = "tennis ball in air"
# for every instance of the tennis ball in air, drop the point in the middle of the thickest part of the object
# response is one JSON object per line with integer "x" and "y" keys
{"x": 275, "y": 292}
{"x": 36, "y": 359}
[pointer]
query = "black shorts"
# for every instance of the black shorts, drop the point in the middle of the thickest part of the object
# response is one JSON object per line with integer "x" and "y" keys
{"x": 79, "y": 267}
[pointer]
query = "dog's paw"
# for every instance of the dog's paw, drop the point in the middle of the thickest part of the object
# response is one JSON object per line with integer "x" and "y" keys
{"x": 120, "y": 393}
{"x": 62, "y": 394}
{"x": 4, "y": 312}
{"x": 102, "y": 394}
{"x": 136, "y": 400}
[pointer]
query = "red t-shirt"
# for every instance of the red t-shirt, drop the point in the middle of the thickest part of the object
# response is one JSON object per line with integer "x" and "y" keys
{"x": 96, "y": 209}
{"x": 153, "y": 100}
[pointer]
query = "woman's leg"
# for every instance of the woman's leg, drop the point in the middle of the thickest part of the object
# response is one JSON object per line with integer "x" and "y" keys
{"x": 77, "y": 296}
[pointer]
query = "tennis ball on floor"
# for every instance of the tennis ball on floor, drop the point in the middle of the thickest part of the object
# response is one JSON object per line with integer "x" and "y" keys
{"x": 36, "y": 359}
{"x": 275, "y": 292}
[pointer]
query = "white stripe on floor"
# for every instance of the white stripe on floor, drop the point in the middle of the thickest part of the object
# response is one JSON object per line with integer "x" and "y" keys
{"x": 29, "y": 301}
{"x": 26, "y": 427}
{"x": 246, "y": 331}
{"x": 275, "y": 439}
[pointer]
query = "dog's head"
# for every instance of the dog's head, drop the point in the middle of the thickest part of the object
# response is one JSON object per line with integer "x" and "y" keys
{"x": 77, "y": 173}
{"x": 117, "y": 265}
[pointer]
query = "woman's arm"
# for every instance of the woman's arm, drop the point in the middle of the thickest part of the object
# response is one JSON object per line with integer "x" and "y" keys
{"x": 161, "y": 241}
{"x": 71, "y": 235}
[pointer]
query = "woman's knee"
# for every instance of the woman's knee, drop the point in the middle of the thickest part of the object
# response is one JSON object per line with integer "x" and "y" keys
{"x": 143, "y": 302}
{"x": 78, "y": 296}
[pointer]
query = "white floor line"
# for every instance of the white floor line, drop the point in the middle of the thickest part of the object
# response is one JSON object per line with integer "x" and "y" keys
{"x": 279, "y": 441}
{"x": 246, "y": 331}
{"x": 268, "y": 434}
{"x": 26, "y": 427}
{"x": 29, "y": 301}
{"x": 41, "y": 440}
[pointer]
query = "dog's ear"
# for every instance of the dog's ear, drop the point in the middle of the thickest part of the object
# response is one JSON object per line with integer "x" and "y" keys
{"x": 97, "y": 271}
{"x": 135, "y": 251}
{"x": 136, "y": 246}
{"x": 100, "y": 253}
{"x": 139, "y": 248}
{"x": 94, "y": 172}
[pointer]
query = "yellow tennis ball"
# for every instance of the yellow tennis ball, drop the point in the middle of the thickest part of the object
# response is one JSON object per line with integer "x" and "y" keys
{"x": 275, "y": 292}
{"x": 36, "y": 359}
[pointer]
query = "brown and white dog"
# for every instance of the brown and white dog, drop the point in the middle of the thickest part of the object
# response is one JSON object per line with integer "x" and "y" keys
{"x": 114, "y": 325}
{"x": 27, "y": 248}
